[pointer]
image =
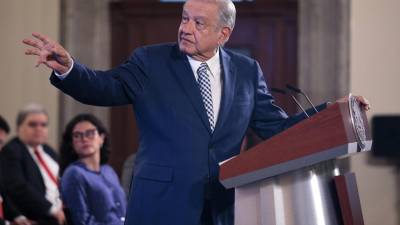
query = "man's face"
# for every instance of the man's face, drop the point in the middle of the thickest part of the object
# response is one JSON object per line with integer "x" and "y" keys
{"x": 200, "y": 32}
{"x": 33, "y": 130}
{"x": 3, "y": 137}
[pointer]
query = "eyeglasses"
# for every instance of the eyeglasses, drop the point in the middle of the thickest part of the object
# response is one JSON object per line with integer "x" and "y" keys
{"x": 89, "y": 134}
{"x": 33, "y": 124}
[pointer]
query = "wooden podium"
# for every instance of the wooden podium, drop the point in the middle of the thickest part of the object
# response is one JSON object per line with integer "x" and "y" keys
{"x": 296, "y": 178}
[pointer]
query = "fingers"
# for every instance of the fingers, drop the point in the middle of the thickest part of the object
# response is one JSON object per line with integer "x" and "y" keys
{"x": 32, "y": 52}
{"x": 54, "y": 65}
{"x": 360, "y": 99}
{"x": 32, "y": 43}
{"x": 364, "y": 102}
{"x": 48, "y": 52}
{"x": 43, "y": 38}
{"x": 39, "y": 44}
{"x": 43, "y": 57}
{"x": 39, "y": 62}
{"x": 58, "y": 53}
{"x": 58, "y": 50}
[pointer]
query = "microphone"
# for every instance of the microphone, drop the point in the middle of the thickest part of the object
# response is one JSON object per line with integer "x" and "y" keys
{"x": 297, "y": 90}
{"x": 284, "y": 92}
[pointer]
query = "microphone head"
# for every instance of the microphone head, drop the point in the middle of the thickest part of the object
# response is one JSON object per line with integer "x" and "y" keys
{"x": 278, "y": 90}
{"x": 292, "y": 88}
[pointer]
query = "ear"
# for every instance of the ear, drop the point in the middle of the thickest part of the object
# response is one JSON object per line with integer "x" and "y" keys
{"x": 225, "y": 34}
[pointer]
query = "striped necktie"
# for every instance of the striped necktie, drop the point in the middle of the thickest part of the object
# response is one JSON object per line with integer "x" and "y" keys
{"x": 205, "y": 89}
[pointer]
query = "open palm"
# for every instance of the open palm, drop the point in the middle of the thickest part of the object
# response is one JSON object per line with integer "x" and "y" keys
{"x": 48, "y": 52}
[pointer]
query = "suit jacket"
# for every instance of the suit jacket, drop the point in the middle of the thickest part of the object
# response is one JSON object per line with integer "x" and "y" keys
{"x": 176, "y": 166}
{"x": 24, "y": 182}
{"x": 9, "y": 208}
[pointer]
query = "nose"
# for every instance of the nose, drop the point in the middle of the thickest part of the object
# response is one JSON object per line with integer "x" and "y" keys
{"x": 187, "y": 28}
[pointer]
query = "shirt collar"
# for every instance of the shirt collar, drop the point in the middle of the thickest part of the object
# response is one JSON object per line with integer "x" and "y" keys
{"x": 212, "y": 62}
{"x": 32, "y": 149}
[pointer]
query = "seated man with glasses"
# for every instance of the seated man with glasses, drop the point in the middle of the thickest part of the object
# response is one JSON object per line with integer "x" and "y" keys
{"x": 32, "y": 169}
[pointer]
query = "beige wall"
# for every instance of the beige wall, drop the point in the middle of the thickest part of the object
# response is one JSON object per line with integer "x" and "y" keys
{"x": 375, "y": 73}
{"x": 20, "y": 82}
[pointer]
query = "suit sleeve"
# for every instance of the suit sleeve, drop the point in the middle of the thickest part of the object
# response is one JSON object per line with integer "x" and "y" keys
{"x": 16, "y": 185}
{"x": 269, "y": 119}
{"x": 10, "y": 209}
{"x": 119, "y": 86}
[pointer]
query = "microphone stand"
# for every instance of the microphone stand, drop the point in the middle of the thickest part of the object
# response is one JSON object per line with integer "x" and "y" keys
{"x": 281, "y": 91}
{"x": 299, "y": 91}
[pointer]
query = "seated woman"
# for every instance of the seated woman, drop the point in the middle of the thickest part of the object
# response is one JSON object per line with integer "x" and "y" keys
{"x": 90, "y": 188}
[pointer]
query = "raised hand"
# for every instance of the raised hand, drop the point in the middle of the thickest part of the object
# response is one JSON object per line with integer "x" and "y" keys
{"x": 49, "y": 52}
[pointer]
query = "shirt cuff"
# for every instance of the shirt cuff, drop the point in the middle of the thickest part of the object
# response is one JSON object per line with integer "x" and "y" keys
{"x": 64, "y": 75}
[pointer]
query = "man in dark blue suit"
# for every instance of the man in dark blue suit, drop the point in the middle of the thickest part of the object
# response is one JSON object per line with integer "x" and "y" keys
{"x": 193, "y": 101}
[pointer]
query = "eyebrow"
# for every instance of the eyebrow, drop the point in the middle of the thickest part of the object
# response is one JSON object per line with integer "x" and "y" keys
{"x": 185, "y": 13}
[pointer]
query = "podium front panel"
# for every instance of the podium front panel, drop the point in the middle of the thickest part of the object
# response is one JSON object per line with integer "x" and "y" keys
{"x": 302, "y": 197}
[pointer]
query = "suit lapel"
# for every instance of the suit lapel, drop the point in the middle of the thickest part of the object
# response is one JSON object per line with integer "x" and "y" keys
{"x": 32, "y": 166}
{"x": 228, "y": 88}
{"x": 186, "y": 78}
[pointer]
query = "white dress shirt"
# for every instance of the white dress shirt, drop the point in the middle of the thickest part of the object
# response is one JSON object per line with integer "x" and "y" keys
{"x": 215, "y": 80}
{"x": 52, "y": 192}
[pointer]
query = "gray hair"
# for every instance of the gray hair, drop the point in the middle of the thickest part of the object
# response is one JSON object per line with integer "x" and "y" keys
{"x": 32, "y": 108}
{"x": 226, "y": 10}
{"x": 227, "y": 13}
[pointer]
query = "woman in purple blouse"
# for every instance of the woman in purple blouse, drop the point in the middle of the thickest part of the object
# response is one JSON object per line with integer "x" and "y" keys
{"x": 90, "y": 188}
